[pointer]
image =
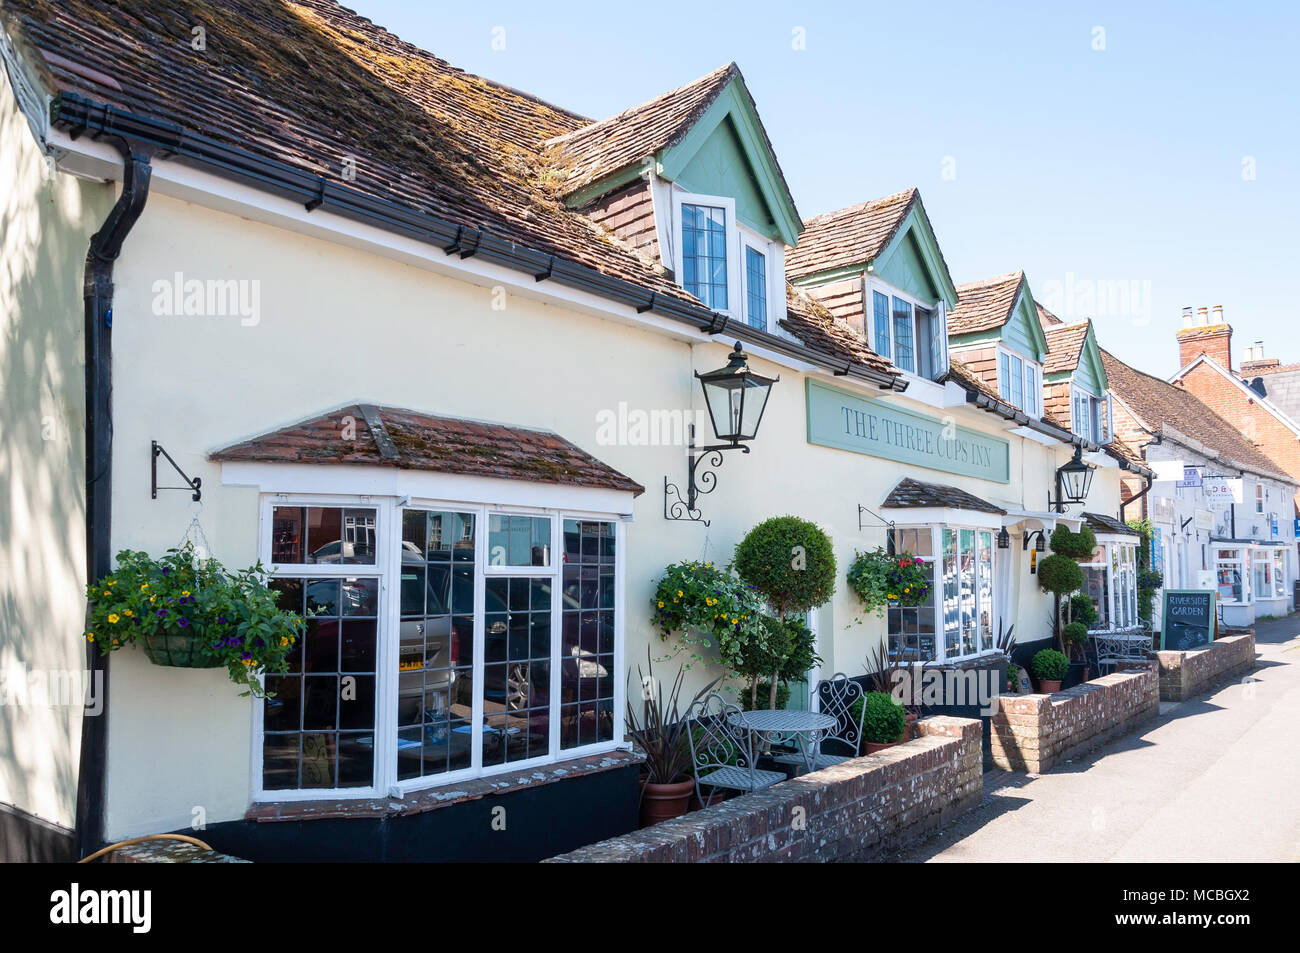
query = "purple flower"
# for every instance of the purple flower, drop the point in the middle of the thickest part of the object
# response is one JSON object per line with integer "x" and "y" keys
{"x": 221, "y": 619}
{"x": 162, "y": 613}
{"x": 184, "y": 622}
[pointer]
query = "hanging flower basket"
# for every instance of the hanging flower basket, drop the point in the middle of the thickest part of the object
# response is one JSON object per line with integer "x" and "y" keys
{"x": 880, "y": 578}
{"x": 191, "y": 612}
{"x": 178, "y": 648}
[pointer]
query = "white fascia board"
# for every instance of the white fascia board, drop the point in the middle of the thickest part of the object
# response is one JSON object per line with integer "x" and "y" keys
{"x": 1100, "y": 458}
{"x": 941, "y": 516}
{"x": 423, "y": 485}
{"x": 1031, "y": 434}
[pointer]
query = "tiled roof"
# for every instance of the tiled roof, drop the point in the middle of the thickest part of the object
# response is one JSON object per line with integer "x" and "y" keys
{"x": 1108, "y": 524}
{"x": 1122, "y": 450}
{"x": 1064, "y": 346}
{"x": 963, "y": 376}
{"x": 602, "y": 148}
{"x": 391, "y": 437}
{"x": 1156, "y": 402}
{"x": 1250, "y": 369}
{"x": 984, "y": 305}
{"x": 909, "y": 494}
{"x": 309, "y": 83}
{"x": 815, "y": 326}
{"x": 1045, "y": 317}
{"x": 850, "y": 236}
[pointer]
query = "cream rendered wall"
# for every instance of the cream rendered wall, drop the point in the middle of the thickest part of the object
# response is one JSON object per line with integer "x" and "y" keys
{"x": 338, "y": 325}
{"x": 46, "y": 221}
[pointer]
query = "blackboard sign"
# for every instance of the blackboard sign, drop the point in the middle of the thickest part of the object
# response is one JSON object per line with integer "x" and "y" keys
{"x": 1187, "y": 619}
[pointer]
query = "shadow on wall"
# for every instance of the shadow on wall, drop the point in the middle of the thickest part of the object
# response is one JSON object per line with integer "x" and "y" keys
{"x": 46, "y": 221}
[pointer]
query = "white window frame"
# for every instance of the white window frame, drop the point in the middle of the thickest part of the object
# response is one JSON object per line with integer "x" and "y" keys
{"x": 1259, "y": 498}
{"x": 387, "y": 568}
{"x": 1031, "y": 380}
{"x": 1099, "y": 411}
{"x": 1242, "y": 562}
{"x": 739, "y": 236}
{"x": 748, "y": 239}
{"x": 957, "y": 523}
{"x": 938, "y": 311}
{"x": 1121, "y": 591}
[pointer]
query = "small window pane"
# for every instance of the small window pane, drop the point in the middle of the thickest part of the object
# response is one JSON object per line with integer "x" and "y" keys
{"x": 704, "y": 254}
{"x": 756, "y": 287}
{"x": 903, "y": 335}
{"x": 880, "y": 306}
{"x": 519, "y": 540}
{"x": 322, "y": 534}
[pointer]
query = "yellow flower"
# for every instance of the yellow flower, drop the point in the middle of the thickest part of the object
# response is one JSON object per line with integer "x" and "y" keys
{"x": 679, "y": 593}
{"x": 661, "y": 603}
{"x": 107, "y": 593}
{"x": 113, "y": 617}
{"x": 185, "y": 593}
{"x": 112, "y": 582}
{"x": 247, "y": 661}
{"x": 144, "y": 587}
{"x": 283, "y": 640}
{"x": 152, "y": 598}
{"x": 734, "y": 621}
{"x": 90, "y": 636}
{"x": 128, "y": 613}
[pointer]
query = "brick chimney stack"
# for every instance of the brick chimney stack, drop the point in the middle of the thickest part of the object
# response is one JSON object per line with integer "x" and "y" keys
{"x": 1203, "y": 336}
{"x": 1255, "y": 359}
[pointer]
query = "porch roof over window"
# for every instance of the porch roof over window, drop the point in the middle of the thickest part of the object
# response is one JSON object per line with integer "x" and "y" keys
{"x": 913, "y": 494}
{"x": 1108, "y": 524}
{"x": 370, "y": 435}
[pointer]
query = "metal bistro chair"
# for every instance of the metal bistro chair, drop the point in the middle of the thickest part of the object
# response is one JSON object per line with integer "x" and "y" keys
{"x": 837, "y": 696}
{"x": 722, "y": 751}
{"x": 1129, "y": 645}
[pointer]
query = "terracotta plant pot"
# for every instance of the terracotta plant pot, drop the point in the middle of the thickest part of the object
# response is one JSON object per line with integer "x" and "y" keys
{"x": 1047, "y": 686}
{"x": 663, "y": 802}
{"x": 874, "y": 746}
{"x": 178, "y": 648}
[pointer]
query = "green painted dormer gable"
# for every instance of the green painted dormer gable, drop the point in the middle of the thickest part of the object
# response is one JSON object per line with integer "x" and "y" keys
{"x": 726, "y": 152}
{"x": 890, "y": 238}
{"x": 1002, "y": 311}
{"x": 1076, "y": 358}
{"x": 706, "y": 137}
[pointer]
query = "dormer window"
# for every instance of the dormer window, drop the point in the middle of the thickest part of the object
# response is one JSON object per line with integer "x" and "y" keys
{"x": 729, "y": 266}
{"x": 908, "y": 332}
{"x": 1020, "y": 382}
{"x": 1090, "y": 415}
{"x": 704, "y": 254}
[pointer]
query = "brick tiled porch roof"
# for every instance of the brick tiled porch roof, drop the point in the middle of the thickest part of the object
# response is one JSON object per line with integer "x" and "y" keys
{"x": 910, "y": 494}
{"x": 391, "y": 437}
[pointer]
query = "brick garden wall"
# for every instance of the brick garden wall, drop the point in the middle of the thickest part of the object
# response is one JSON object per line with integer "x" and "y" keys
{"x": 1034, "y": 732}
{"x": 1184, "y": 674}
{"x": 850, "y": 812}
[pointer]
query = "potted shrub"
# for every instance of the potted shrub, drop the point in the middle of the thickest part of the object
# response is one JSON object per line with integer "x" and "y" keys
{"x": 1049, "y": 667}
{"x": 790, "y": 563}
{"x": 1060, "y": 575}
{"x": 667, "y": 778}
{"x": 1075, "y": 637}
{"x": 189, "y": 612}
{"x": 883, "y": 722}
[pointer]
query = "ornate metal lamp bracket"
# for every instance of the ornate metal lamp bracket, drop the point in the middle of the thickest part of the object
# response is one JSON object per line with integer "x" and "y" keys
{"x": 701, "y": 478}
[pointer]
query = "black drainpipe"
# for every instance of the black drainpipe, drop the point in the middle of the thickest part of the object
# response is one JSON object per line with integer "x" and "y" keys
{"x": 105, "y": 246}
{"x": 1135, "y": 497}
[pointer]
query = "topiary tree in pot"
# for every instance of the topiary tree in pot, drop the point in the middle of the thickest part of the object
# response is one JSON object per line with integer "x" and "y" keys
{"x": 1060, "y": 575}
{"x": 791, "y": 563}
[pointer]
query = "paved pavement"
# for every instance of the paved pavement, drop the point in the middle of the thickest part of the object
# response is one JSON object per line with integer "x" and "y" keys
{"x": 1215, "y": 778}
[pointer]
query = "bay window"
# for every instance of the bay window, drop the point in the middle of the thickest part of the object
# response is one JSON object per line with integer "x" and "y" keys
{"x": 444, "y": 641}
{"x": 908, "y": 332}
{"x": 1270, "y": 573}
{"x": 956, "y": 621}
{"x": 1110, "y": 581}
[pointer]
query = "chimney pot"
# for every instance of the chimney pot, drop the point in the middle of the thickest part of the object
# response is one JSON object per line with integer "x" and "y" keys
{"x": 1203, "y": 316}
{"x": 1218, "y": 314}
{"x": 1187, "y": 317}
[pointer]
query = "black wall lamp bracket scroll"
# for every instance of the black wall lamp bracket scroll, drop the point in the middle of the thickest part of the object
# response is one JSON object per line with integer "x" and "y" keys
{"x": 887, "y": 524}
{"x": 701, "y": 478}
{"x": 194, "y": 484}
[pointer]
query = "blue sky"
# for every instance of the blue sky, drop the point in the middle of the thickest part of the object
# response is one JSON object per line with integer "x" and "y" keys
{"x": 1156, "y": 161}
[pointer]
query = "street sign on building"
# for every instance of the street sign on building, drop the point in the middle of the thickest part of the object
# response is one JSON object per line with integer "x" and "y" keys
{"x": 1191, "y": 477}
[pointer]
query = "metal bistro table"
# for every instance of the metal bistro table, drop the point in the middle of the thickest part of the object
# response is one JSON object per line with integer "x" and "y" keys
{"x": 808, "y": 728}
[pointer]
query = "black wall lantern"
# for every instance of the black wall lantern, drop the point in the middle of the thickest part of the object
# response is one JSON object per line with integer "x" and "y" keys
{"x": 736, "y": 398}
{"x": 1073, "y": 480}
{"x": 1004, "y": 539}
{"x": 1038, "y": 536}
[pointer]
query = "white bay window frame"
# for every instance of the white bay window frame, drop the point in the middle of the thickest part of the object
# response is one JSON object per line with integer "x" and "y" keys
{"x": 1030, "y": 377}
{"x": 935, "y": 522}
{"x": 1094, "y": 411}
{"x": 566, "y": 504}
{"x": 1118, "y": 565}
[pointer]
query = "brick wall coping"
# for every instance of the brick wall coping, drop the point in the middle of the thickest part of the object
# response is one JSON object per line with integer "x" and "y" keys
{"x": 432, "y": 799}
{"x": 851, "y": 809}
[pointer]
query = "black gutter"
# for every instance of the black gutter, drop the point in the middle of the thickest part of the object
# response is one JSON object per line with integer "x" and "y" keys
{"x": 79, "y": 115}
{"x": 105, "y": 246}
{"x": 1015, "y": 414}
